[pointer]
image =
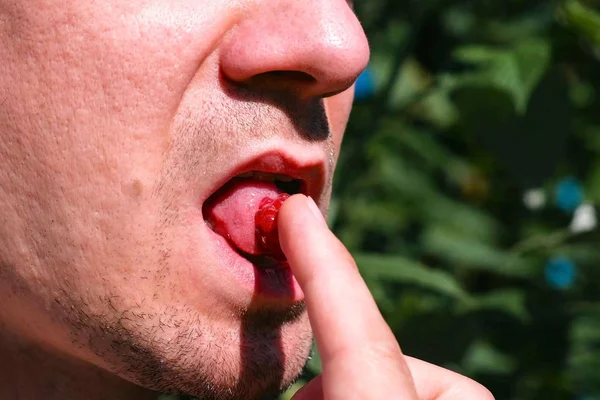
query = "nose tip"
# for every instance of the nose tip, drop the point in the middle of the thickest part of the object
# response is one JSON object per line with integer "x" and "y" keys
{"x": 314, "y": 48}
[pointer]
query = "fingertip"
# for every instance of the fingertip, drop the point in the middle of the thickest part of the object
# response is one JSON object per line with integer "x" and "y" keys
{"x": 289, "y": 220}
{"x": 436, "y": 382}
{"x": 303, "y": 233}
{"x": 480, "y": 392}
{"x": 291, "y": 211}
{"x": 467, "y": 389}
{"x": 295, "y": 202}
{"x": 299, "y": 212}
{"x": 316, "y": 211}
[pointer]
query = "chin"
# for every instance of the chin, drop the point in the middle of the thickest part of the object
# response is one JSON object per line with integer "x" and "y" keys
{"x": 253, "y": 357}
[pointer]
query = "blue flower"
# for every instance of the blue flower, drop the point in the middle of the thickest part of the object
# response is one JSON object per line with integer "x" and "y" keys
{"x": 569, "y": 195}
{"x": 560, "y": 272}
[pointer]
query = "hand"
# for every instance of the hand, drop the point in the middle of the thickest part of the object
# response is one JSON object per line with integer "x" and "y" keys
{"x": 360, "y": 355}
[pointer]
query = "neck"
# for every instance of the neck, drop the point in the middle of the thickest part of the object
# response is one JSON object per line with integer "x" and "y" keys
{"x": 29, "y": 372}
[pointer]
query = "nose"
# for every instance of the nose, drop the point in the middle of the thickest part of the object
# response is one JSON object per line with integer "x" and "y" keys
{"x": 314, "y": 48}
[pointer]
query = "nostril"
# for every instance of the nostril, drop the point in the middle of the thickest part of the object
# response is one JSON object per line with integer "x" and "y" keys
{"x": 280, "y": 84}
{"x": 282, "y": 77}
{"x": 290, "y": 75}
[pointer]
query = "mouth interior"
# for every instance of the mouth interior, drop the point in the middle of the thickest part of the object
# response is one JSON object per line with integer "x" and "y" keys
{"x": 290, "y": 187}
{"x": 230, "y": 212}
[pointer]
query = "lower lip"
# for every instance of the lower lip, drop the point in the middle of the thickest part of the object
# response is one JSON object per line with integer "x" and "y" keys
{"x": 265, "y": 285}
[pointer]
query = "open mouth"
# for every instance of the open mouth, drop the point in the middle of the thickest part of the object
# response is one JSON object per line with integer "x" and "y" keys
{"x": 231, "y": 212}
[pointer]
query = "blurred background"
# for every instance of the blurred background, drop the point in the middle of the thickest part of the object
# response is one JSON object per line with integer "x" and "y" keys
{"x": 468, "y": 184}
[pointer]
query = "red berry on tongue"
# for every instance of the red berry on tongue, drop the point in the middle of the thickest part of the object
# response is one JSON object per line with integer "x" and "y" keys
{"x": 267, "y": 234}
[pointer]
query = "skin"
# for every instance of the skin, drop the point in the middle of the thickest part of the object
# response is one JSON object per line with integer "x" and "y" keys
{"x": 116, "y": 119}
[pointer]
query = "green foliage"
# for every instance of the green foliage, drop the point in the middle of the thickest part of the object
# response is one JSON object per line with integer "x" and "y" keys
{"x": 515, "y": 70}
{"x": 478, "y": 103}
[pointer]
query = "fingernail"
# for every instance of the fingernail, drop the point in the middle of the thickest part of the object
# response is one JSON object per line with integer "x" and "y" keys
{"x": 315, "y": 210}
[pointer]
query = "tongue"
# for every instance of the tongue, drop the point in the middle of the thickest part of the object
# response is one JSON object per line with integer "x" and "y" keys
{"x": 232, "y": 212}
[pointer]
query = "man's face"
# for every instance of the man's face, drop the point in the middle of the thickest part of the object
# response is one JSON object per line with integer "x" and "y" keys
{"x": 119, "y": 122}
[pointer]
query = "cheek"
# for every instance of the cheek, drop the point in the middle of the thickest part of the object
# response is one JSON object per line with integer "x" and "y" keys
{"x": 87, "y": 93}
{"x": 92, "y": 92}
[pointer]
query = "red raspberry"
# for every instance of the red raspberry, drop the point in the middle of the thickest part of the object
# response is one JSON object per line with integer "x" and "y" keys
{"x": 265, "y": 219}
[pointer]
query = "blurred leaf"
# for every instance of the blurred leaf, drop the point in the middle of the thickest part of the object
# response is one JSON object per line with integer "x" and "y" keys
{"x": 314, "y": 363}
{"x": 593, "y": 182}
{"x": 412, "y": 80}
{"x": 292, "y": 390}
{"x": 455, "y": 248}
{"x": 583, "y": 19}
{"x": 584, "y": 358}
{"x": 472, "y": 223}
{"x": 517, "y": 69}
{"x": 402, "y": 270}
{"x": 482, "y": 357}
{"x": 508, "y": 301}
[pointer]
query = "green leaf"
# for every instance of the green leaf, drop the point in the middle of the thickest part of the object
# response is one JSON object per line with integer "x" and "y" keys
{"x": 483, "y": 358}
{"x": 461, "y": 250}
{"x": 584, "y": 357}
{"x": 516, "y": 69}
{"x": 314, "y": 364}
{"x": 403, "y": 270}
{"x": 288, "y": 394}
{"x": 584, "y": 20}
{"x": 471, "y": 222}
{"x": 508, "y": 301}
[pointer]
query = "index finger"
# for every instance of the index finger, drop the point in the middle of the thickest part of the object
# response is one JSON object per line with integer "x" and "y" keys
{"x": 350, "y": 332}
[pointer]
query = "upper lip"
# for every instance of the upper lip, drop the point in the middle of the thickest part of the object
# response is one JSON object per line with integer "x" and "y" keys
{"x": 307, "y": 166}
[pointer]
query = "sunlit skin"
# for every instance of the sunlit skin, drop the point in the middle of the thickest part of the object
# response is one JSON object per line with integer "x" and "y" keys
{"x": 118, "y": 119}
